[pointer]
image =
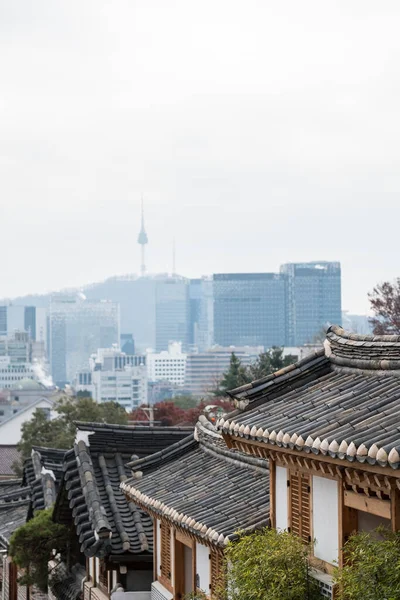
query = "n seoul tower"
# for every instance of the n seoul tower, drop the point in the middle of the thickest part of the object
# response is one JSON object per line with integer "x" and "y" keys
{"x": 143, "y": 240}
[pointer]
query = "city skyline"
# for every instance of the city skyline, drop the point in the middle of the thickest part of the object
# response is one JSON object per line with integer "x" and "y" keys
{"x": 257, "y": 137}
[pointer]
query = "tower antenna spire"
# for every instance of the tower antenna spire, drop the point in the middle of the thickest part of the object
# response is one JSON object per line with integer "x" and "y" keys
{"x": 142, "y": 240}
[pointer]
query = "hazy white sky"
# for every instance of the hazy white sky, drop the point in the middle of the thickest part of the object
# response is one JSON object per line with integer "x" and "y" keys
{"x": 259, "y": 132}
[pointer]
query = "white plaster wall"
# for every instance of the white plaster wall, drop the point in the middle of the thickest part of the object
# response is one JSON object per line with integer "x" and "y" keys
{"x": 173, "y": 557}
{"x": 281, "y": 500}
{"x": 91, "y": 567}
{"x": 325, "y": 518}
{"x": 203, "y": 567}
{"x": 97, "y": 562}
{"x": 114, "y": 579}
{"x": 158, "y": 555}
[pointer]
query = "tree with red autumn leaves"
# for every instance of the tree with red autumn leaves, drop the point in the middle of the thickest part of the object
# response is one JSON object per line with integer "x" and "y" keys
{"x": 385, "y": 304}
{"x": 168, "y": 414}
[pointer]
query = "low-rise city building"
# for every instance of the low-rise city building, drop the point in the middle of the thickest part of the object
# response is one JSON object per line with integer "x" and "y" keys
{"x": 205, "y": 369}
{"x": 168, "y": 365}
{"x": 113, "y": 376}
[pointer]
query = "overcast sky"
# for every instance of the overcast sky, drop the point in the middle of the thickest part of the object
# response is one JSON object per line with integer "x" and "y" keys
{"x": 258, "y": 131}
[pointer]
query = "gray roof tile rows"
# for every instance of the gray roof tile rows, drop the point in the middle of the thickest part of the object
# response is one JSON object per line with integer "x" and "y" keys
{"x": 14, "y": 502}
{"x": 93, "y": 472}
{"x": 343, "y": 401}
{"x": 203, "y": 487}
{"x": 43, "y": 472}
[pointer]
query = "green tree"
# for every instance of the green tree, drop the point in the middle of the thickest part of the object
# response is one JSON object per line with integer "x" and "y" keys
{"x": 269, "y": 362}
{"x": 385, "y": 304}
{"x": 269, "y": 565}
{"x": 31, "y": 547}
{"x": 372, "y": 568}
{"x": 60, "y": 432}
{"x": 235, "y": 376}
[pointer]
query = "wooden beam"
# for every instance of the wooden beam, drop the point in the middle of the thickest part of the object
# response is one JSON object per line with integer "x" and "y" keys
{"x": 395, "y": 473}
{"x": 395, "y": 509}
{"x": 373, "y": 506}
{"x": 272, "y": 492}
{"x": 348, "y": 521}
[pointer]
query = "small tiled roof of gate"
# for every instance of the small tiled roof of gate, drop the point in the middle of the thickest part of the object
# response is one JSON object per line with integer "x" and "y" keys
{"x": 43, "y": 472}
{"x": 343, "y": 401}
{"x": 90, "y": 493}
{"x": 203, "y": 487}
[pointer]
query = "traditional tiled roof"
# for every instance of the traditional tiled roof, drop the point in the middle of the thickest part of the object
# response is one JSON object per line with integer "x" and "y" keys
{"x": 14, "y": 501}
{"x": 202, "y": 487}
{"x": 90, "y": 494}
{"x": 66, "y": 584}
{"x": 8, "y": 456}
{"x": 43, "y": 472}
{"x": 342, "y": 402}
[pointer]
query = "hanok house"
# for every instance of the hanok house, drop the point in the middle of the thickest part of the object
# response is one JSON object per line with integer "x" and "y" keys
{"x": 199, "y": 494}
{"x": 14, "y": 502}
{"x": 114, "y": 537}
{"x": 19, "y": 501}
{"x": 329, "y": 426}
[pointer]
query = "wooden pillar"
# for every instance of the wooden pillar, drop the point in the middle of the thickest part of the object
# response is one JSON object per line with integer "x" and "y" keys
{"x": 348, "y": 521}
{"x": 272, "y": 492}
{"x": 395, "y": 509}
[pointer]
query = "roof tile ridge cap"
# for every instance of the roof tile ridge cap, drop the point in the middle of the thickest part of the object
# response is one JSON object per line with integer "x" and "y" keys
{"x": 89, "y": 425}
{"x": 207, "y": 427}
{"x": 95, "y": 489}
{"x": 168, "y": 451}
{"x": 235, "y": 457}
{"x": 340, "y": 332}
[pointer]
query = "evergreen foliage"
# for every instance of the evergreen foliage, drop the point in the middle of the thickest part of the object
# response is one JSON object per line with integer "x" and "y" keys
{"x": 32, "y": 544}
{"x": 372, "y": 569}
{"x": 60, "y": 432}
{"x": 238, "y": 374}
{"x": 235, "y": 376}
{"x": 268, "y": 565}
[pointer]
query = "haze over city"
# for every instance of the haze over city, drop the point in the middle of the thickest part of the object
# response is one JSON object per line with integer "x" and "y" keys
{"x": 257, "y": 136}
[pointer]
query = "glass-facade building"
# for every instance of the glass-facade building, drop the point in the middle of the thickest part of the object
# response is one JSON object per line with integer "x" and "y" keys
{"x": 314, "y": 299}
{"x": 250, "y": 309}
{"x": 78, "y": 327}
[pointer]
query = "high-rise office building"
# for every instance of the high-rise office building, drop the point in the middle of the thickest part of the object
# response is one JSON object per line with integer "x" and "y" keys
{"x": 172, "y": 311}
{"x": 201, "y": 313}
{"x": 314, "y": 299}
{"x": 154, "y": 308}
{"x": 31, "y": 319}
{"x": 79, "y": 327}
{"x": 250, "y": 309}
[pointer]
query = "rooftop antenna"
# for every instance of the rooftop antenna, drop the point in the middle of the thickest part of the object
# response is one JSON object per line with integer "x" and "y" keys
{"x": 142, "y": 240}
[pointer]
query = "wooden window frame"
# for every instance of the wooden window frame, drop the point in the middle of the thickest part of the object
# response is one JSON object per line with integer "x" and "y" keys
{"x": 166, "y": 580}
{"x": 303, "y": 479}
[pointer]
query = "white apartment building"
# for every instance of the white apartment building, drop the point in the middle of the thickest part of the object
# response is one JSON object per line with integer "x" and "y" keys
{"x": 114, "y": 376}
{"x": 168, "y": 365}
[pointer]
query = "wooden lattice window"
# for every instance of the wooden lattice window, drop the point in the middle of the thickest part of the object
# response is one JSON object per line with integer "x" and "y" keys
{"x": 217, "y": 571}
{"x": 300, "y": 505}
{"x": 165, "y": 566}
